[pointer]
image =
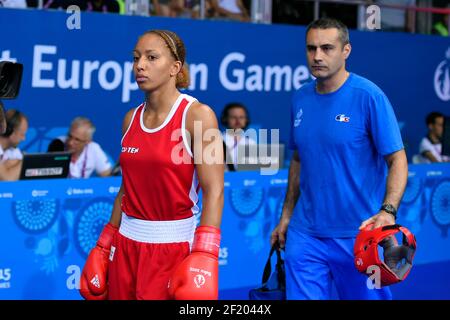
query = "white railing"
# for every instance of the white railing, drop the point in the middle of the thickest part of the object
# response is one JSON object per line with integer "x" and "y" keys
{"x": 261, "y": 10}
{"x": 364, "y": 4}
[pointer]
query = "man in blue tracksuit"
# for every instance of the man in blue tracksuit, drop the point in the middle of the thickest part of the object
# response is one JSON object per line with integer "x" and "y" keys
{"x": 349, "y": 170}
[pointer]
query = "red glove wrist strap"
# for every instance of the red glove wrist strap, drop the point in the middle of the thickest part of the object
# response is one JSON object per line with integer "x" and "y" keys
{"x": 207, "y": 239}
{"x": 106, "y": 236}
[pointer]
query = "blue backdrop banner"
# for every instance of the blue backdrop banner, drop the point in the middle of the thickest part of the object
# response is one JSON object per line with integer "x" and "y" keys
{"x": 48, "y": 228}
{"x": 82, "y": 65}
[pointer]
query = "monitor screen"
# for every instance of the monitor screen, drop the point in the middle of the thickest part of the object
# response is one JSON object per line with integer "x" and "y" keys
{"x": 45, "y": 165}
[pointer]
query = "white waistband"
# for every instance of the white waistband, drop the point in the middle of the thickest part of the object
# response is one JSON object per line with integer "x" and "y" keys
{"x": 158, "y": 231}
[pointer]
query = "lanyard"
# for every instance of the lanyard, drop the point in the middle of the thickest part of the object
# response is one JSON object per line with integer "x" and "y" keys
{"x": 83, "y": 167}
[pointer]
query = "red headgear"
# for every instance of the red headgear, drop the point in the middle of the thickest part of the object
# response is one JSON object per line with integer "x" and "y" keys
{"x": 397, "y": 258}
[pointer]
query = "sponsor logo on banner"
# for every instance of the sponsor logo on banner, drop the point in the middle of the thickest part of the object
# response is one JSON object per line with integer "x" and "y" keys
{"x": 249, "y": 183}
{"x": 442, "y": 78}
{"x": 39, "y": 193}
{"x": 76, "y": 191}
{"x": 6, "y": 195}
{"x": 5, "y": 277}
{"x": 434, "y": 173}
{"x": 278, "y": 182}
{"x": 113, "y": 189}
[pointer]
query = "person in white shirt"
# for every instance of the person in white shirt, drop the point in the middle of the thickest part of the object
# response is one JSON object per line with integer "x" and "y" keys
{"x": 430, "y": 148}
{"x": 16, "y": 130}
{"x": 235, "y": 119}
{"x": 10, "y": 155}
{"x": 87, "y": 155}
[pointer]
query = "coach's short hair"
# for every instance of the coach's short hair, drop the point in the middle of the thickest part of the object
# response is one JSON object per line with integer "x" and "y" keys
{"x": 329, "y": 23}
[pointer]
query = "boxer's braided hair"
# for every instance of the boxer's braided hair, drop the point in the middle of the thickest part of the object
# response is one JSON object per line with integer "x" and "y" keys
{"x": 178, "y": 51}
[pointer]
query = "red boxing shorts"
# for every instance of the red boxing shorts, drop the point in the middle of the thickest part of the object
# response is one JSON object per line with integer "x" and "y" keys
{"x": 145, "y": 254}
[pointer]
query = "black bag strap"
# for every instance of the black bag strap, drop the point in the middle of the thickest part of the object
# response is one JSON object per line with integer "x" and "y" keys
{"x": 280, "y": 271}
{"x": 279, "y": 266}
{"x": 227, "y": 155}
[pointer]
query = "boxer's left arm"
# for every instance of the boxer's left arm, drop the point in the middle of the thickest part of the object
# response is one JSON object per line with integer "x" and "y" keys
{"x": 208, "y": 158}
{"x": 196, "y": 278}
{"x": 395, "y": 187}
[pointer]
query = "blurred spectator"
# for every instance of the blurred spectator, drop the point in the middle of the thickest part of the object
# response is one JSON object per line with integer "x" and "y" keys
{"x": 235, "y": 119}
{"x": 16, "y": 130}
{"x": 103, "y": 6}
{"x": 192, "y": 9}
{"x": 17, "y": 4}
{"x": 441, "y": 26}
{"x": 430, "y": 148}
{"x": 168, "y": 8}
{"x": 87, "y": 155}
{"x": 10, "y": 155}
{"x": 116, "y": 6}
{"x": 397, "y": 19}
{"x": 230, "y": 9}
{"x": 57, "y": 4}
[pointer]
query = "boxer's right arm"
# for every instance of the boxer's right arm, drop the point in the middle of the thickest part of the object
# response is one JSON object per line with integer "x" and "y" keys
{"x": 94, "y": 278}
{"x": 116, "y": 215}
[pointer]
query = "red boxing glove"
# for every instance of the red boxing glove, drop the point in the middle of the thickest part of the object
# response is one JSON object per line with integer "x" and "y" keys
{"x": 196, "y": 278}
{"x": 93, "y": 281}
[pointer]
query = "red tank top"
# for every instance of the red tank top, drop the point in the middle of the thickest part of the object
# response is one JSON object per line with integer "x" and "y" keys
{"x": 155, "y": 186}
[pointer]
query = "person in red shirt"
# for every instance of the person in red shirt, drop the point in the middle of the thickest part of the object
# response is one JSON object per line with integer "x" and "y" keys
{"x": 152, "y": 248}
